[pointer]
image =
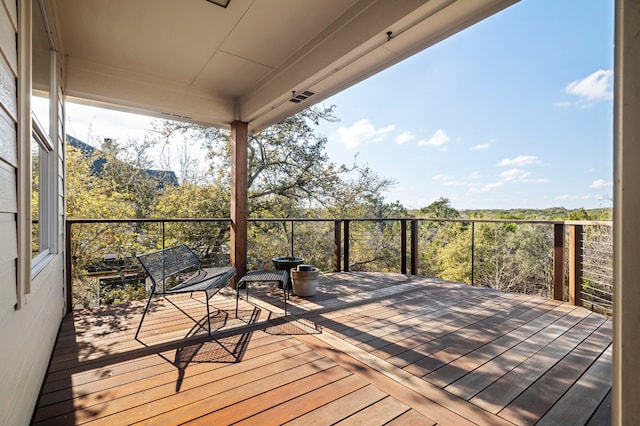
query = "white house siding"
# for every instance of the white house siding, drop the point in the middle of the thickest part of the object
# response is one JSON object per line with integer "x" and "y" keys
{"x": 27, "y": 333}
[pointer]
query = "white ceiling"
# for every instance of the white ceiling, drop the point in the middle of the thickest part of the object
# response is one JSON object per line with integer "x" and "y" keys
{"x": 196, "y": 61}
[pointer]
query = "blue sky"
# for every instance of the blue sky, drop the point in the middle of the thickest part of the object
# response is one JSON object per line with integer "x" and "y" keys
{"x": 514, "y": 112}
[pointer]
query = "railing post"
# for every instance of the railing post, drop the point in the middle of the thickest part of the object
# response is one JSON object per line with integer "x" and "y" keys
{"x": 346, "y": 245}
{"x": 414, "y": 247}
{"x": 337, "y": 246}
{"x": 473, "y": 249}
{"x": 292, "y": 255}
{"x": 68, "y": 265}
{"x": 163, "y": 235}
{"x": 403, "y": 246}
{"x": 558, "y": 261}
{"x": 575, "y": 265}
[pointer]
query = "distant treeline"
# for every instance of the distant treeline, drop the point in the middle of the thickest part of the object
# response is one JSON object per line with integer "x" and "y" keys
{"x": 551, "y": 213}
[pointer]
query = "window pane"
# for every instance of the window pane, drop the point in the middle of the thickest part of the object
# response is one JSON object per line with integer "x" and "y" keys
{"x": 42, "y": 156}
{"x": 35, "y": 197}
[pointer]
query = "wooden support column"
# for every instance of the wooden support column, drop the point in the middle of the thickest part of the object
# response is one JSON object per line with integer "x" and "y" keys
{"x": 626, "y": 228}
{"x": 575, "y": 265}
{"x": 337, "y": 246}
{"x": 239, "y": 190}
{"x": 558, "y": 261}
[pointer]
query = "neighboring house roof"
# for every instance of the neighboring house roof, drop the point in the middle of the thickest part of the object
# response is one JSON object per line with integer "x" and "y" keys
{"x": 163, "y": 177}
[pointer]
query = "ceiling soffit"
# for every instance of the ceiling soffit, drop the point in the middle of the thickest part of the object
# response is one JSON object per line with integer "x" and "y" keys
{"x": 195, "y": 61}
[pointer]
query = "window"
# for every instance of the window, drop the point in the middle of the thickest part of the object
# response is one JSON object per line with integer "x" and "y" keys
{"x": 41, "y": 199}
{"x": 43, "y": 176}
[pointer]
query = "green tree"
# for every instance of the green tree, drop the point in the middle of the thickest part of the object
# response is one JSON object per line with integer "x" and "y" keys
{"x": 513, "y": 257}
{"x": 289, "y": 171}
{"x": 289, "y": 175}
{"x": 90, "y": 196}
{"x": 440, "y": 209}
{"x": 209, "y": 239}
{"x": 125, "y": 170}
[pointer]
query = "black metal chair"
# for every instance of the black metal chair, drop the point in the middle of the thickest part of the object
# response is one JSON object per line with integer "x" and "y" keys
{"x": 182, "y": 265}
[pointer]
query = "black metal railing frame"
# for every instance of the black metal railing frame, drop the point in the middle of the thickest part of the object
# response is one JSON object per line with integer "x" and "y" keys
{"x": 409, "y": 249}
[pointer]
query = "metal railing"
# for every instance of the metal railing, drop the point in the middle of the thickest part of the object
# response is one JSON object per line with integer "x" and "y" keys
{"x": 574, "y": 259}
{"x": 591, "y": 265}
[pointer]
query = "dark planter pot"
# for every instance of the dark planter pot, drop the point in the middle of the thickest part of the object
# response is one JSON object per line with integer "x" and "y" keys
{"x": 286, "y": 263}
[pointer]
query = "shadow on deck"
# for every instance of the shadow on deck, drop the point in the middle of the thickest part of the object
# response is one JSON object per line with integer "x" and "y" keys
{"x": 369, "y": 348}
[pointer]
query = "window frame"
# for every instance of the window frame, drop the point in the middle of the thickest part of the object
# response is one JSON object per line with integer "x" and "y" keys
{"x": 46, "y": 198}
{"x": 45, "y": 137}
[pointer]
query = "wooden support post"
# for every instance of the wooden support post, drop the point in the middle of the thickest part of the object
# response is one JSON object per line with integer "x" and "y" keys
{"x": 239, "y": 190}
{"x": 337, "y": 246}
{"x": 558, "y": 261}
{"x": 575, "y": 265}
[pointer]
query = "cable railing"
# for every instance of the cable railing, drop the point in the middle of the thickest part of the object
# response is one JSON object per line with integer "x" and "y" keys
{"x": 592, "y": 273}
{"x": 570, "y": 261}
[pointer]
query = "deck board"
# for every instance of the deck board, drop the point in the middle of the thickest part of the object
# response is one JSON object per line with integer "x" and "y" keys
{"x": 588, "y": 391}
{"x": 476, "y": 336}
{"x": 367, "y": 349}
{"x": 502, "y": 391}
{"x": 470, "y": 362}
{"x": 473, "y": 382}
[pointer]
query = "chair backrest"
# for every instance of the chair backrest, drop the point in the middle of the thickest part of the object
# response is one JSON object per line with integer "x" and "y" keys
{"x": 165, "y": 263}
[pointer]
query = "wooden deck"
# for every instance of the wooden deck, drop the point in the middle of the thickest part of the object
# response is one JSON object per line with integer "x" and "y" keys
{"x": 367, "y": 349}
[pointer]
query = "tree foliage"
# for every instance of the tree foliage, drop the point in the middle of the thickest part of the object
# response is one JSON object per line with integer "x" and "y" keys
{"x": 290, "y": 176}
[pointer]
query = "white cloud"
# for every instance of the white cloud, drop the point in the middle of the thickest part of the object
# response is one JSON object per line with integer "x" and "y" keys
{"x": 442, "y": 177}
{"x": 469, "y": 181}
{"x": 473, "y": 176}
{"x": 492, "y": 186}
{"x": 439, "y": 138}
{"x": 601, "y": 183}
{"x": 520, "y": 160}
{"x": 593, "y": 88}
{"x": 565, "y": 197}
{"x": 480, "y": 146}
{"x": 404, "y": 137}
{"x": 361, "y": 132}
{"x": 514, "y": 175}
{"x": 520, "y": 176}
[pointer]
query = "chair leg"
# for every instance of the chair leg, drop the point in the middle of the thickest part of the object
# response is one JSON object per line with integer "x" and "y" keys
{"x": 237, "y": 297}
{"x": 144, "y": 313}
{"x": 284, "y": 294}
{"x": 208, "y": 314}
